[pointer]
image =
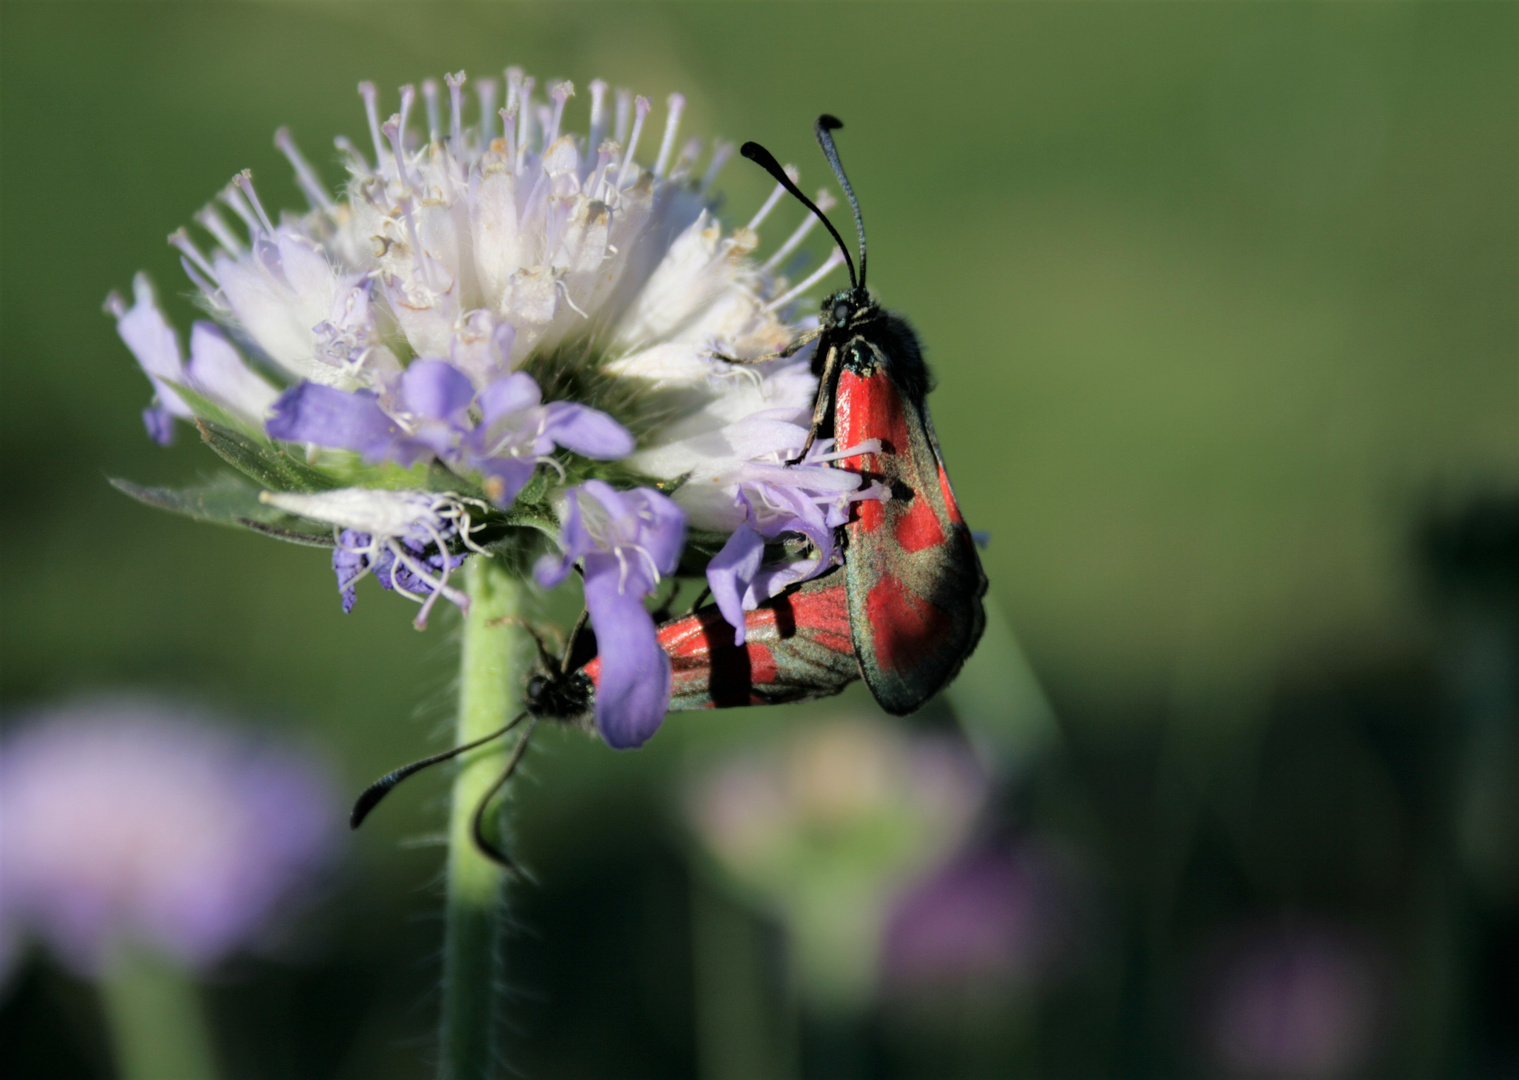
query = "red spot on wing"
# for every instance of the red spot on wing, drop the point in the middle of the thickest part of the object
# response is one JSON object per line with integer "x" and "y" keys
{"x": 949, "y": 497}
{"x": 919, "y": 528}
{"x": 904, "y": 627}
{"x": 870, "y": 407}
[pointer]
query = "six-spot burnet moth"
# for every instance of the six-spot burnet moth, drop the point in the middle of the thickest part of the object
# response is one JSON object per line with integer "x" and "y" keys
{"x": 797, "y": 647}
{"x": 914, "y": 580}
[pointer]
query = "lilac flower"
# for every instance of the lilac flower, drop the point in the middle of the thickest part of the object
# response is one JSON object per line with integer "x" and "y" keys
{"x": 128, "y": 824}
{"x": 826, "y": 828}
{"x": 216, "y": 370}
{"x": 624, "y": 541}
{"x": 401, "y": 537}
{"x": 431, "y": 417}
{"x": 990, "y": 918}
{"x": 1301, "y": 1001}
{"x": 809, "y": 499}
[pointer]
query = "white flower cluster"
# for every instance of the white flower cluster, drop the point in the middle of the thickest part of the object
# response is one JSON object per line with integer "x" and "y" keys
{"x": 489, "y": 246}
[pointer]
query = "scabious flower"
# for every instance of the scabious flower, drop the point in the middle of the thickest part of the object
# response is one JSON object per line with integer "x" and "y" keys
{"x": 519, "y": 319}
{"x": 1301, "y": 999}
{"x": 132, "y": 825}
{"x": 826, "y": 829}
{"x": 995, "y": 917}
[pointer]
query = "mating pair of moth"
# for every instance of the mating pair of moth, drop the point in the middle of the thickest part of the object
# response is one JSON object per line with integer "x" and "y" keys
{"x": 904, "y": 610}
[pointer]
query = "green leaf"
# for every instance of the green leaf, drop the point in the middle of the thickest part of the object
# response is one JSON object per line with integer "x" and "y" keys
{"x": 206, "y": 409}
{"x": 262, "y": 461}
{"x": 227, "y": 500}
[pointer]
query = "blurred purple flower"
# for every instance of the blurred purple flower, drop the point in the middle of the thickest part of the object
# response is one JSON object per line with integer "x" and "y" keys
{"x": 993, "y": 917}
{"x": 625, "y": 542}
{"x": 1298, "y": 1001}
{"x": 132, "y": 824}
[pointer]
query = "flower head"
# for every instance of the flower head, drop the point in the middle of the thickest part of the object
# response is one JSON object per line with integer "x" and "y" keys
{"x": 534, "y": 312}
{"x": 128, "y": 824}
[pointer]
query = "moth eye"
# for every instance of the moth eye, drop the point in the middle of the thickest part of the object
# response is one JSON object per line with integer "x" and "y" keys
{"x": 535, "y": 687}
{"x": 840, "y": 312}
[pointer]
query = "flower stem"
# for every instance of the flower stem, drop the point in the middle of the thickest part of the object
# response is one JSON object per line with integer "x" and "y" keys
{"x": 156, "y": 1020}
{"x": 492, "y": 673}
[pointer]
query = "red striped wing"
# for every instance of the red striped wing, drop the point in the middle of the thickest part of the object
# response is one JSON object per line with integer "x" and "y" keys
{"x": 914, "y": 579}
{"x": 797, "y": 647}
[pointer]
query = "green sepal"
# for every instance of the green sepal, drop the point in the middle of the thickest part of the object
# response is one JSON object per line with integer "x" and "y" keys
{"x": 262, "y": 461}
{"x": 206, "y": 409}
{"x": 227, "y": 500}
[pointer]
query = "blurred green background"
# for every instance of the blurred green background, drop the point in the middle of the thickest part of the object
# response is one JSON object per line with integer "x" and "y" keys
{"x": 1224, "y": 306}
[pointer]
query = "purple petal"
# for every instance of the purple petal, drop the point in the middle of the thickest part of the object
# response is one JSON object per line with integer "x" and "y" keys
{"x": 634, "y": 690}
{"x": 160, "y": 424}
{"x": 505, "y": 477}
{"x": 148, "y": 334}
{"x": 217, "y": 370}
{"x": 436, "y": 389}
{"x": 323, "y": 415}
{"x": 505, "y": 396}
{"x": 551, "y": 570}
{"x": 349, "y": 564}
{"x": 587, "y": 431}
{"x": 731, "y": 572}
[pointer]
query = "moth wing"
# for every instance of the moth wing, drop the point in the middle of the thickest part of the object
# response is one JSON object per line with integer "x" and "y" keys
{"x": 915, "y": 582}
{"x": 797, "y": 647}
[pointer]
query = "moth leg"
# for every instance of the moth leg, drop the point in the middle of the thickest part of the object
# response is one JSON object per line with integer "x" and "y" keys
{"x": 569, "y": 642}
{"x": 547, "y": 656}
{"x": 785, "y": 354}
{"x": 821, "y": 406}
{"x": 488, "y": 847}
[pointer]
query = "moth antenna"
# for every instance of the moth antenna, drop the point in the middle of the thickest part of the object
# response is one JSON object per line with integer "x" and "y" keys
{"x": 371, "y": 796}
{"x": 486, "y": 846}
{"x": 766, "y": 160}
{"x": 569, "y": 643}
{"x": 824, "y": 129}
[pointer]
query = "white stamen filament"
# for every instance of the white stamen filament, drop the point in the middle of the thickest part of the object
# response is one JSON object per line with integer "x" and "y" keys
{"x": 244, "y": 181}
{"x": 641, "y": 111}
{"x": 486, "y": 89}
{"x": 560, "y": 93}
{"x": 524, "y": 119}
{"x": 513, "y": 86}
{"x": 305, "y": 176}
{"x": 392, "y": 130}
{"x": 720, "y": 155}
{"x": 769, "y": 204}
{"x": 372, "y": 110}
{"x": 677, "y": 105}
{"x": 430, "y": 97}
{"x": 455, "y": 83}
{"x": 824, "y": 203}
{"x": 216, "y": 225}
{"x": 624, "y": 117}
{"x": 598, "y": 115}
{"x": 356, "y": 161}
{"x": 181, "y": 239}
{"x": 408, "y": 99}
{"x": 830, "y": 264}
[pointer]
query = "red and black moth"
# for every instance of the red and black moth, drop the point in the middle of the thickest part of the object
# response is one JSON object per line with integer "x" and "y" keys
{"x": 797, "y": 647}
{"x": 914, "y": 580}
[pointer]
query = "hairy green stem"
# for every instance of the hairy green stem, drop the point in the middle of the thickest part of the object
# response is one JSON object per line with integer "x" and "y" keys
{"x": 157, "y": 1023}
{"x": 493, "y": 670}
